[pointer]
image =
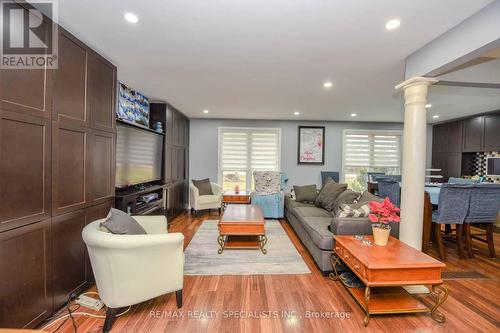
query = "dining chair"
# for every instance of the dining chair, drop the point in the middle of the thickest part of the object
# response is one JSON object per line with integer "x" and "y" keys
{"x": 370, "y": 176}
{"x": 389, "y": 188}
{"x": 332, "y": 174}
{"x": 483, "y": 209}
{"x": 453, "y": 206}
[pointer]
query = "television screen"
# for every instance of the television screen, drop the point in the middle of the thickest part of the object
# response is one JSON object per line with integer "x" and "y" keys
{"x": 493, "y": 166}
{"x": 133, "y": 107}
{"x": 138, "y": 156}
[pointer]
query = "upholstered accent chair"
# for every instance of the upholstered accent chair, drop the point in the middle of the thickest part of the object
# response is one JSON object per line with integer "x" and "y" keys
{"x": 269, "y": 193}
{"x": 201, "y": 202}
{"x": 130, "y": 269}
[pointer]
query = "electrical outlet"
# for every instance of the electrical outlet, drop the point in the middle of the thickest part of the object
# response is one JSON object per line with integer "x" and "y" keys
{"x": 89, "y": 302}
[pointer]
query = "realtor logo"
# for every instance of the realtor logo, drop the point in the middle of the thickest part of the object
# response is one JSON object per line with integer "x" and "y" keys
{"x": 28, "y": 35}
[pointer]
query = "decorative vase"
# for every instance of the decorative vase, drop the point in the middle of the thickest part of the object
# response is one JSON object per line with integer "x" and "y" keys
{"x": 237, "y": 189}
{"x": 381, "y": 235}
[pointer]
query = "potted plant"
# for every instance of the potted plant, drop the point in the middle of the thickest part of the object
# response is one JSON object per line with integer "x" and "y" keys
{"x": 381, "y": 214}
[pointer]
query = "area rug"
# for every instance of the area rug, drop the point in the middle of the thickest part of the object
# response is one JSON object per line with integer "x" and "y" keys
{"x": 281, "y": 258}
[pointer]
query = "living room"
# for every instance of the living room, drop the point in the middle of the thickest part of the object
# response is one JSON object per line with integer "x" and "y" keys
{"x": 249, "y": 166}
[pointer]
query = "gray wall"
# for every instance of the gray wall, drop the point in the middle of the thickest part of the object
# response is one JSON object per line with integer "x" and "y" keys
{"x": 204, "y": 146}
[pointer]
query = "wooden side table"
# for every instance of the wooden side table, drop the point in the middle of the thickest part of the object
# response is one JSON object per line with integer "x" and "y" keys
{"x": 231, "y": 197}
{"x": 384, "y": 270}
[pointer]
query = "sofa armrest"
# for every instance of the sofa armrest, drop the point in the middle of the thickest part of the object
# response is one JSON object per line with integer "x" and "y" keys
{"x": 357, "y": 226}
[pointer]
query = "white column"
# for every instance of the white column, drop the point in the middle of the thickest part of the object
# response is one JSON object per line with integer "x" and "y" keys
{"x": 414, "y": 155}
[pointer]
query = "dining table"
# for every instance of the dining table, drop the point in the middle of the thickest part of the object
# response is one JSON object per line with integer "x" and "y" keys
{"x": 431, "y": 200}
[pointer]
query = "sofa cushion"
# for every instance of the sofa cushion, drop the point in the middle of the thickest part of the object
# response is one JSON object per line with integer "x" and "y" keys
{"x": 203, "y": 185}
{"x": 292, "y": 203}
{"x": 367, "y": 197}
{"x": 346, "y": 197}
{"x": 354, "y": 210}
{"x": 120, "y": 223}
{"x": 312, "y": 211}
{"x": 317, "y": 228}
{"x": 328, "y": 194}
{"x": 206, "y": 199}
{"x": 307, "y": 193}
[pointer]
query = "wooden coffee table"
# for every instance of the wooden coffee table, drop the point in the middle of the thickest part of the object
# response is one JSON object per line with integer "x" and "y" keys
{"x": 384, "y": 270}
{"x": 242, "y": 227}
{"x": 232, "y": 197}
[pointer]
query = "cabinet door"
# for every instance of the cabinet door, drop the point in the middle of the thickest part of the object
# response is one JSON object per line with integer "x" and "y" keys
{"x": 25, "y": 275}
{"x": 25, "y": 178}
{"x": 168, "y": 163}
{"x": 181, "y": 131}
{"x": 440, "y": 138}
{"x": 102, "y": 166}
{"x": 28, "y": 91}
{"x": 68, "y": 255}
{"x": 453, "y": 165}
{"x": 491, "y": 132}
{"x": 455, "y": 137}
{"x": 169, "y": 126}
{"x": 174, "y": 164}
{"x": 70, "y": 81}
{"x": 180, "y": 164}
{"x": 439, "y": 162}
{"x": 176, "y": 124}
{"x": 102, "y": 93}
{"x": 473, "y": 134}
{"x": 70, "y": 165}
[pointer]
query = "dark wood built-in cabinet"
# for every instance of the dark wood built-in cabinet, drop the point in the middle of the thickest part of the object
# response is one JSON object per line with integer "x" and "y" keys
{"x": 57, "y": 166}
{"x": 176, "y": 150}
{"x": 454, "y": 144}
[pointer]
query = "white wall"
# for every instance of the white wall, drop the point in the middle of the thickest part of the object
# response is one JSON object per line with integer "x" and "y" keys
{"x": 204, "y": 146}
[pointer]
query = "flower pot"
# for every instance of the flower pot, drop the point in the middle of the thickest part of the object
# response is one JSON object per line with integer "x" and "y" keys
{"x": 381, "y": 235}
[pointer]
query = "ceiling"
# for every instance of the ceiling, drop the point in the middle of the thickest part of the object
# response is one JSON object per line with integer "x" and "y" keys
{"x": 265, "y": 59}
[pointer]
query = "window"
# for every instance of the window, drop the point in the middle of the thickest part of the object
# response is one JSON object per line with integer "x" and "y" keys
{"x": 244, "y": 150}
{"x": 370, "y": 151}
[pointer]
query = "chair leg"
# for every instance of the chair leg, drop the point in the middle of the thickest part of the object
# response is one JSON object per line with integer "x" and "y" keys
{"x": 489, "y": 237}
{"x": 110, "y": 319}
{"x": 220, "y": 211}
{"x": 178, "y": 298}
{"x": 439, "y": 240}
{"x": 460, "y": 240}
{"x": 468, "y": 240}
{"x": 447, "y": 229}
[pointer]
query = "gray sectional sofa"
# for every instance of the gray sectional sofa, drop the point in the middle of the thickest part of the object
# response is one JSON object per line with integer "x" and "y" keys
{"x": 311, "y": 223}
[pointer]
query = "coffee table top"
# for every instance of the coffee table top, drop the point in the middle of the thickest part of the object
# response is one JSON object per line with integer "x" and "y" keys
{"x": 242, "y": 214}
{"x": 395, "y": 255}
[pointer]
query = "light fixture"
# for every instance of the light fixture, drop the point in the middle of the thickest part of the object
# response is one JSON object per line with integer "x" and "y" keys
{"x": 436, "y": 116}
{"x": 327, "y": 84}
{"x": 205, "y": 111}
{"x": 428, "y": 106}
{"x": 131, "y": 17}
{"x": 392, "y": 24}
{"x": 296, "y": 113}
{"x": 354, "y": 114}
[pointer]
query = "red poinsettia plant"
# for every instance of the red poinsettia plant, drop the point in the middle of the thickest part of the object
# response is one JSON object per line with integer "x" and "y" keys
{"x": 383, "y": 213}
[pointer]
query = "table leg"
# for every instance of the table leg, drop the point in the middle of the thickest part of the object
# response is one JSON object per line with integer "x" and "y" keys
{"x": 367, "y": 302}
{"x": 334, "y": 260}
{"x": 262, "y": 243}
{"x": 222, "y": 241}
{"x": 441, "y": 293}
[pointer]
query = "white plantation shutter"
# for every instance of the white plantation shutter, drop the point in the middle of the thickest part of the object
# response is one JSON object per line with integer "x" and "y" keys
{"x": 372, "y": 149}
{"x": 248, "y": 149}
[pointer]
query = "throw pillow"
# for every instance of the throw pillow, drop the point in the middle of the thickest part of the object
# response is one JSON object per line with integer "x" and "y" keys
{"x": 355, "y": 210}
{"x": 267, "y": 182}
{"x": 328, "y": 194}
{"x": 367, "y": 197}
{"x": 203, "y": 185}
{"x": 305, "y": 193}
{"x": 346, "y": 197}
{"x": 120, "y": 223}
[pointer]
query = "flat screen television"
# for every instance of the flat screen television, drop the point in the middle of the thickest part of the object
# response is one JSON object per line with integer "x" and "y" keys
{"x": 493, "y": 166}
{"x": 138, "y": 156}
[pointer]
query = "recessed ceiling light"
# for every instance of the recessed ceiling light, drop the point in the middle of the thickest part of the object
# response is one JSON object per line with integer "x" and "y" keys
{"x": 392, "y": 24}
{"x": 131, "y": 17}
{"x": 436, "y": 116}
{"x": 428, "y": 106}
{"x": 296, "y": 113}
{"x": 354, "y": 114}
{"x": 205, "y": 111}
{"x": 327, "y": 84}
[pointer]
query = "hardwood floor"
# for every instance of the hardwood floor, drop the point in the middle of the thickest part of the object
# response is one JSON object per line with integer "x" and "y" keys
{"x": 212, "y": 303}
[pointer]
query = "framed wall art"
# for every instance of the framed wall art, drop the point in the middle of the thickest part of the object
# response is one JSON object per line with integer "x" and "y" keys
{"x": 311, "y": 148}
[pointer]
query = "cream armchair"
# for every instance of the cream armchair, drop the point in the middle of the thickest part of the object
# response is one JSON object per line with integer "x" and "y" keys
{"x": 201, "y": 202}
{"x": 131, "y": 269}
